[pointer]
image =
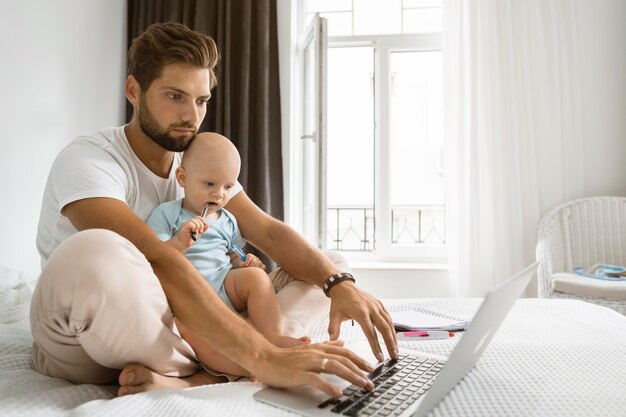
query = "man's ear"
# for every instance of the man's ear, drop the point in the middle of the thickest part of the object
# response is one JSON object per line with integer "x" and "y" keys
{"x": 133, "y": 90}
{"x": 180, "y": 176}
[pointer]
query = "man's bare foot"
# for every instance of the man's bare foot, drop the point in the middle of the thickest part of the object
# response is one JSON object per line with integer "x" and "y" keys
{"x": 286, "y": 341}
{"x": 138, "y": 378}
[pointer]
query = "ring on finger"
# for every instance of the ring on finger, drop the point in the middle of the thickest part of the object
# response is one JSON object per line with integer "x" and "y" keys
{"x": 324, "y": 362}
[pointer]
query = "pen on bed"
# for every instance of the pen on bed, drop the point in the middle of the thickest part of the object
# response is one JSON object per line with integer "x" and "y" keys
{"x": 432, "y": 335}
{"x": 205, "y": 209}
{"x": 238, "y": 251}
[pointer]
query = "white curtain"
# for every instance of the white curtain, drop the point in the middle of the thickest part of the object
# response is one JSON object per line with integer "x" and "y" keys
{"x": 514, "y": 123}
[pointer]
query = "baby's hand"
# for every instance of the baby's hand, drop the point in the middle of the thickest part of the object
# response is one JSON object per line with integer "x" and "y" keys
{"x": 191, "y": 230}
{"x": 252, "y": 260}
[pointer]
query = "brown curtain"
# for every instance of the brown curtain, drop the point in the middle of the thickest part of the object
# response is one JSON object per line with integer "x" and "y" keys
{"x": 245, "y": 105}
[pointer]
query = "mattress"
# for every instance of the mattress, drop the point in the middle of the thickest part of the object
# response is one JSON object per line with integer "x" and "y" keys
{"x": 550, "y": 357}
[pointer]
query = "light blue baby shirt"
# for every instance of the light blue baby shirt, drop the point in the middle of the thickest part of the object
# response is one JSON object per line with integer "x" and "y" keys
{"x": 209, "y": 253}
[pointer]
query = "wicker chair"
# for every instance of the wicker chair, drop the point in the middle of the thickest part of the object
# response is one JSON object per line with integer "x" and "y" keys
{"x": 583, "y": 232}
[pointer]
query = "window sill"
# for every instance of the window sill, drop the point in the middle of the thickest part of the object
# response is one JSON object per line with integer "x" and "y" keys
{"x": 422, "y": 266}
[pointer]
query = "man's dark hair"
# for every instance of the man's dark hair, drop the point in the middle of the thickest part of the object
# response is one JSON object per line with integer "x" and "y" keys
{"x": 167, "y": 43}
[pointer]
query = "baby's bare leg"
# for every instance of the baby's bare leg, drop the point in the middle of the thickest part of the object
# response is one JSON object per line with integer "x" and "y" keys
{"x": 208, "y": 356}
{"x": 250, "y": 288}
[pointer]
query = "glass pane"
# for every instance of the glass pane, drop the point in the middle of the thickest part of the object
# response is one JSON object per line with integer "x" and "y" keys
{"x": 413, "y": 225}
{"x": 421, "y": 20}
{"x": 313, "y": 6}
{"x": 377, "y": 17}
{"x": 416, "y": 147}
{"x": 308, "y": 18}
{"x": 350, "y": 228}
{"x": 339, "y": 23}
{"x": 421, "y": 3}
{"x": 350, "y": 147}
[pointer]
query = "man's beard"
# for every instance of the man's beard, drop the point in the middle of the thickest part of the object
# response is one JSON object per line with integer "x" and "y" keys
{"x": 161, "y": 137}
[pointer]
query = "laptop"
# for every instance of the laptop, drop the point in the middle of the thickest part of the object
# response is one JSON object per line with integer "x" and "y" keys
{"x": 416, "y": 382}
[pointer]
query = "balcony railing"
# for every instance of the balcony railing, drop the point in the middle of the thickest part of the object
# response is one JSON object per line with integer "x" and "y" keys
{"x": 351, "y": 228}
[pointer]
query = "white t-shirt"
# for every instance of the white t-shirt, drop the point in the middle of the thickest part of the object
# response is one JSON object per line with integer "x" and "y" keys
{"x": 100, "y": 165}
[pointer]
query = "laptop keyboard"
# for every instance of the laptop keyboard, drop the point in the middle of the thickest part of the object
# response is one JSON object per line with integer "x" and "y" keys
{"x": 397, "y": 385}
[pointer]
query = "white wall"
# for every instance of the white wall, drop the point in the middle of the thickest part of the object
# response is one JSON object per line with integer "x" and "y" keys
{"x": 62, "y": 73}
{"x": 403, "y": 282}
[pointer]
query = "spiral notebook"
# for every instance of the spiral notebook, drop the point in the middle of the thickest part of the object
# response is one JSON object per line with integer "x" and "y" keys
{"x": 421, "y": 319}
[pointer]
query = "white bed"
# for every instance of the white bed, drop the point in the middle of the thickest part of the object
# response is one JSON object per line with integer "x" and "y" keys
{"x": 551, "y": 357}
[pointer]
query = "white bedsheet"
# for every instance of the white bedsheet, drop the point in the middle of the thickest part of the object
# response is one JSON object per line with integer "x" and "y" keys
{"x": 551, "y": 357}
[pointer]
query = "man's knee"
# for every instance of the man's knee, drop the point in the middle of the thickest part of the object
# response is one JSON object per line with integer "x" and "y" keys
{"x": 93, "y": 249}
{"x": 98, "y": 297}
{"x": 338, "y": 260}
{"x": 280, "y": 278}
{"x": 96, "y": 258}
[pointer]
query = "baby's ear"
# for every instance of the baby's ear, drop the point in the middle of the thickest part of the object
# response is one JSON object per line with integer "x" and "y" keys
{"x": 180, "y": 176}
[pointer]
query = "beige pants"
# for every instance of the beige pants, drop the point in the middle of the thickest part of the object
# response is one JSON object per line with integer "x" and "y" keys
{"x": 98, "y": 306}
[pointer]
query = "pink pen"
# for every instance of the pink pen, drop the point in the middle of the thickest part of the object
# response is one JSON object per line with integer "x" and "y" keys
{"x": 425, "y": 335}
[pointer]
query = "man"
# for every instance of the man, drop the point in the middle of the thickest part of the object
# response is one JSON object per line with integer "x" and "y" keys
{"x": 109, "y": 288}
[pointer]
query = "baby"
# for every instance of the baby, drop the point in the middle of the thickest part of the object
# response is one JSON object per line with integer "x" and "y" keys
{"x": 208, "y": 173}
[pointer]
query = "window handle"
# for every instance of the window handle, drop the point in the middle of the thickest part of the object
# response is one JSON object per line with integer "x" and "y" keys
{"x": 312, "y": 136}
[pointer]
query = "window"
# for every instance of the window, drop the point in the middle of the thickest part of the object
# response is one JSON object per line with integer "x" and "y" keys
{"x": 371, "y": 128}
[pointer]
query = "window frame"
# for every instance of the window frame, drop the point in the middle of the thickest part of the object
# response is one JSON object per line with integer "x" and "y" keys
{"x": 384, "y": 45}
{"x": 384, "y": 251}
{"x": 312, "y": 213}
